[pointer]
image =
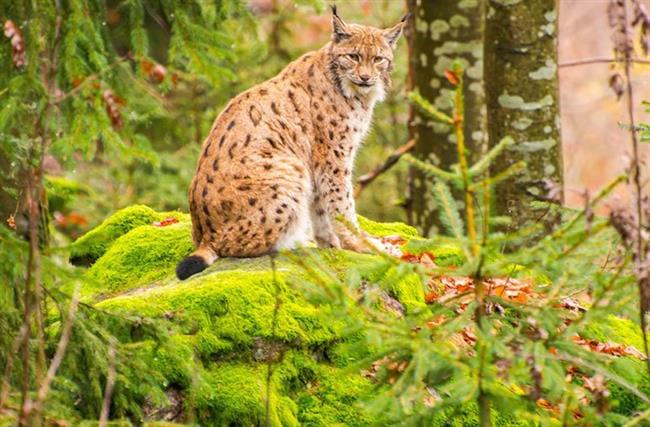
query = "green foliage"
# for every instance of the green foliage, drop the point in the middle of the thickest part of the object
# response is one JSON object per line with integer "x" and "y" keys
{"x": 95, "y": 243}
{"x": 144, "y": 255}
{"x": 210, "y": 338}
{"x": 431, "y": 372}
{"x": 449, "y": 213}
{"x": 383, "y": 229}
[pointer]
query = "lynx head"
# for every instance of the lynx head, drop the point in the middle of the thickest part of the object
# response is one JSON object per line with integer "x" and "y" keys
{"x": 361, "y": 57}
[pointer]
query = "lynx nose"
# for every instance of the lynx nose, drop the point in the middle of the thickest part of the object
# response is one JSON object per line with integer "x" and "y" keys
{"x": 364, "y": 77}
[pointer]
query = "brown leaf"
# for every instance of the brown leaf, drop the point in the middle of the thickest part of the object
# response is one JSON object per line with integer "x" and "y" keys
{"x": 11, "y": 222}
{"x": 414, "y": 259}
{"x": 452, "y": 77}
{"x": 426, "y": 260}
{"x": 543, "y": 403}
{"x": 396, "y": 240}
{"x": 617, "y": 83}
{"x": 165, "y": 222}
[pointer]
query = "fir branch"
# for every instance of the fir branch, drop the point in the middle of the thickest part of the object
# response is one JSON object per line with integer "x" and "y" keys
{"x": 638, "y": 418}
{"x": 429, "y": 109}
{"x": 592, "y": 204}
{"x": 429, "y": 169}
{"x": 6, "y": 378}
{"x": 501, "y": 176}
{"x": 486, "y": 161}
{"x": 449, "y": 212}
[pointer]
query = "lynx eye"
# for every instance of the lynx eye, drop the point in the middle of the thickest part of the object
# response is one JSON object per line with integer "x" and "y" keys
{"x": 353, "y": 57}
{"x": 378, "y": 59}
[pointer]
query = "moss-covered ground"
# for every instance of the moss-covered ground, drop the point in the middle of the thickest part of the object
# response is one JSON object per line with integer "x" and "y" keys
{"x": 227, "y": 324}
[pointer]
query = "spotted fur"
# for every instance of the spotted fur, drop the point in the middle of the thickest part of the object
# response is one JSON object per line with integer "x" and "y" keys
{"x": 275, "y": 170}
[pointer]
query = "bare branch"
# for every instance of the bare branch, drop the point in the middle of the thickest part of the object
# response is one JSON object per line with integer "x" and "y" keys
{"x": 366, "y": 179}
{"x": 30, "y": 407}
{"x": 602, "y": 60}
{"x": 110, "y": 383}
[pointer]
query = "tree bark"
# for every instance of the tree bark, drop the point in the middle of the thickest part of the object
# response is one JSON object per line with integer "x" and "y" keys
{"x": 521, "y": 84}
{"x": 440, "y": 32}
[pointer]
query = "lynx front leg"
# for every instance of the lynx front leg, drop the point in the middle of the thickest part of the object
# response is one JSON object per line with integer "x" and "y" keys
{"x": 333, "y": 199}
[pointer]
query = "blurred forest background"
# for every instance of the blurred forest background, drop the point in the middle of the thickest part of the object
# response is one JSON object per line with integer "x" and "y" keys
{"x": 172, "y": 110}
{"x": 105, "y": 104}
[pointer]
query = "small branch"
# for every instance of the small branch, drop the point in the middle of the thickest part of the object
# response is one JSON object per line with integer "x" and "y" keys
{"x": 89, "y": 79}
{"x": 30, "y": 407}
{"x": 110, "y": 383}
{"x": 602, "y": 60}
{"x": 390, "y": 161}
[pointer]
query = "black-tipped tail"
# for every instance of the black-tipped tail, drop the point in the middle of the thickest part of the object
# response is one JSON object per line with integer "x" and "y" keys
{"x": 190, "y": 265}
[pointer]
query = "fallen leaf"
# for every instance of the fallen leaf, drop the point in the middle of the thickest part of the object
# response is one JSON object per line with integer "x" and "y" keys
{"x": 165, "y": 222}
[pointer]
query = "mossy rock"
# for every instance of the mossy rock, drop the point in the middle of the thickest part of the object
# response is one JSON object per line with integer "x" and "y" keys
{"x": 236, "y": 394}
{"x": 232, "y": 309}
{"x": 92, "y": 245}
{"x": 383, "y": 229}
{"x": 221, "y": 333}
{"x": 632, "y": 370}
{"x": 445, "y": 253}
{"x": 468, "y": 415}
{"x": 141, "y": 256}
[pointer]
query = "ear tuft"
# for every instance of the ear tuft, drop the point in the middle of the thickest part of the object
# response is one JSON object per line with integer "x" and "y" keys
{"x": 392, "y": 34}
{"x": 339, "y": 27}
{"x": 406, "y": 17}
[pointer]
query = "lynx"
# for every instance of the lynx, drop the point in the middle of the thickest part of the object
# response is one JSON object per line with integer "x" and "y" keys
{"x": 276, "y": 169}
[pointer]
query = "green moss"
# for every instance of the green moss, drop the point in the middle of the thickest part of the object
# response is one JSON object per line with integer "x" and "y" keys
{"x": 97, "y": 241}
{"x": 112, "y": 423}
{"x": 634, "y": 372}
{"x": 467, "y": 415}
{"x": 445, "y": 253}
{"x": 174, "y": 360}
{"x": 382, "y": 229}
{"x": 221, "y": 332}
{"x": 145, "y": 254}
{"x": 407, "y": 287}
{"x": 334, "y": 399}
{"x": 232, "y": 308}
{"x": 615, "y": 329}
{"x": 235, "y": 394}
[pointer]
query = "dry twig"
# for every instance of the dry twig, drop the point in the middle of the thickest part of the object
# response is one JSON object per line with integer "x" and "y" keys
{"x": 110, "y": 384}
{"x": 390, "y": 161}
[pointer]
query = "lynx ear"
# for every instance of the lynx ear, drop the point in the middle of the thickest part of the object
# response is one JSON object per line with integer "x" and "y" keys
{"x": 392, "y": 34}
{"x": 339, "y": 27}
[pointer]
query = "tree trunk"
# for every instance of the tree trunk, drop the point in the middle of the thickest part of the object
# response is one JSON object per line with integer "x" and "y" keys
{"x": 440, "y": 32}
{"x": 521, "y": 86}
